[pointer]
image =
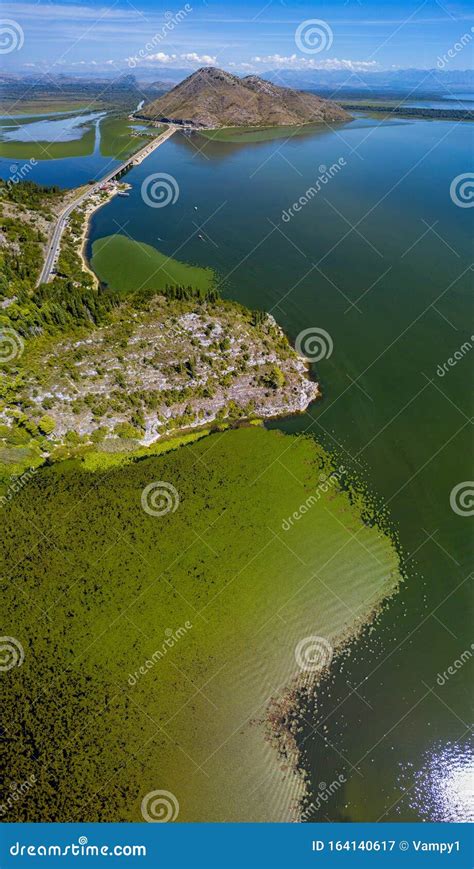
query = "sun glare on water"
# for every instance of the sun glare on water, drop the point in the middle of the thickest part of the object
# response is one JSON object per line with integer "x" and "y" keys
{"x": 442, "y": 789}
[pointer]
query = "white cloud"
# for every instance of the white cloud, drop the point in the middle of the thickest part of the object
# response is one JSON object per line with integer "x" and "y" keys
{"x": 192, "y": 57}
{"x": 188, "y": 57}
{"x": 242, "y": 65}
{"x": 294, "y": 61}
{"x": 161, "y": 57}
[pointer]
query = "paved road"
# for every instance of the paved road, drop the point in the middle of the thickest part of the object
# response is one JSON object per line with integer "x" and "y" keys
{"x": 53, "y": 245}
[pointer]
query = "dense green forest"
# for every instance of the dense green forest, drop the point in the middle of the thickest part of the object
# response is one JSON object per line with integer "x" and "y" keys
{"x": 30, "y": 195}
{"x": 69, "y": 299}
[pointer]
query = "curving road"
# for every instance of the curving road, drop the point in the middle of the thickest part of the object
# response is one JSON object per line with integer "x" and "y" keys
{"x": 52, "y": 249}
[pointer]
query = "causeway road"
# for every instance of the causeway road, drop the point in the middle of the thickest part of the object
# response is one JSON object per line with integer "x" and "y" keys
{"x": 52, "y": 249}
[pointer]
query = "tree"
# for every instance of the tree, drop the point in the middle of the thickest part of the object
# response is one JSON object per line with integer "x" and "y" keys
{"x": 274, "y": 377}
{"x": 46, "y": 424}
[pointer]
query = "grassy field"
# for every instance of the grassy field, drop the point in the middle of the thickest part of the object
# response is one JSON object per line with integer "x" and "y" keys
{"x": 11, "y": 122}
{"x": 46, "y": 107}
{"x": 117, "y": 139}
{"x": 126, "y": 265}
{"x": 81, "y": 147}
{"x": 257, "y": 134}
{"x": 369, "y": 103}
{"x": 98, "y": 585}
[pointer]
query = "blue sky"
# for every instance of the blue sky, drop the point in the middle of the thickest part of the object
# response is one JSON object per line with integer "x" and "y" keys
{"x": 78, "y": 35}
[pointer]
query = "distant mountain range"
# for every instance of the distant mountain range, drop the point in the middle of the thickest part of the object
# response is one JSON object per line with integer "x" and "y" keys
{"x": 423, "y": 81}
{"x": 336, "y": 84}
{"x": 211, "y": 97}
{"x": 120, "y": 92}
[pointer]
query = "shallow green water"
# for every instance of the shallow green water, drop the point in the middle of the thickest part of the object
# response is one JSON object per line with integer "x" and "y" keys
{"x": 360, "y": 261}
{"x": 106, "y": 574}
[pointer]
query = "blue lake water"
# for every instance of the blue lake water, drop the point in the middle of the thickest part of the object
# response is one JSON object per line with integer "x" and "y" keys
{"x": 380, "y": 259}
{"x": 66, "y": 173}
{"x": 449, "y": 102}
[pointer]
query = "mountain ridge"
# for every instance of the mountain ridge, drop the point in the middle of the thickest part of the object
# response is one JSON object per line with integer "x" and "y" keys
{"x": 211, "y": 97}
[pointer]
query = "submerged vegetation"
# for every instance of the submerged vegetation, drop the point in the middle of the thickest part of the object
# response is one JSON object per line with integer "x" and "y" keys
{"x": 126, "y": 265}
{"x": 119, "y": 137}
{"x": 100, "y": 712}
{"x": 267, "y": 546}
{"x": 247, "y": 135}
{"x": 110, "y": 583}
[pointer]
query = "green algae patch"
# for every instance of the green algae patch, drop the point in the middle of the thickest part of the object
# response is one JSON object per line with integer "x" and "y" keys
{"x": 246, "y": 135}
{"x": 126, "y": 265}
{"x": 163, "y": 607}
{"x": 43, "y": 107}
{"x": 119, "y": 136}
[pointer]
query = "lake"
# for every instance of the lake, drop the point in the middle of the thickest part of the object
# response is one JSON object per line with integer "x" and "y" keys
{"x": 88, "y": 164}
{"x": 379, "y": 259}
{"x": 51, "y": 129}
